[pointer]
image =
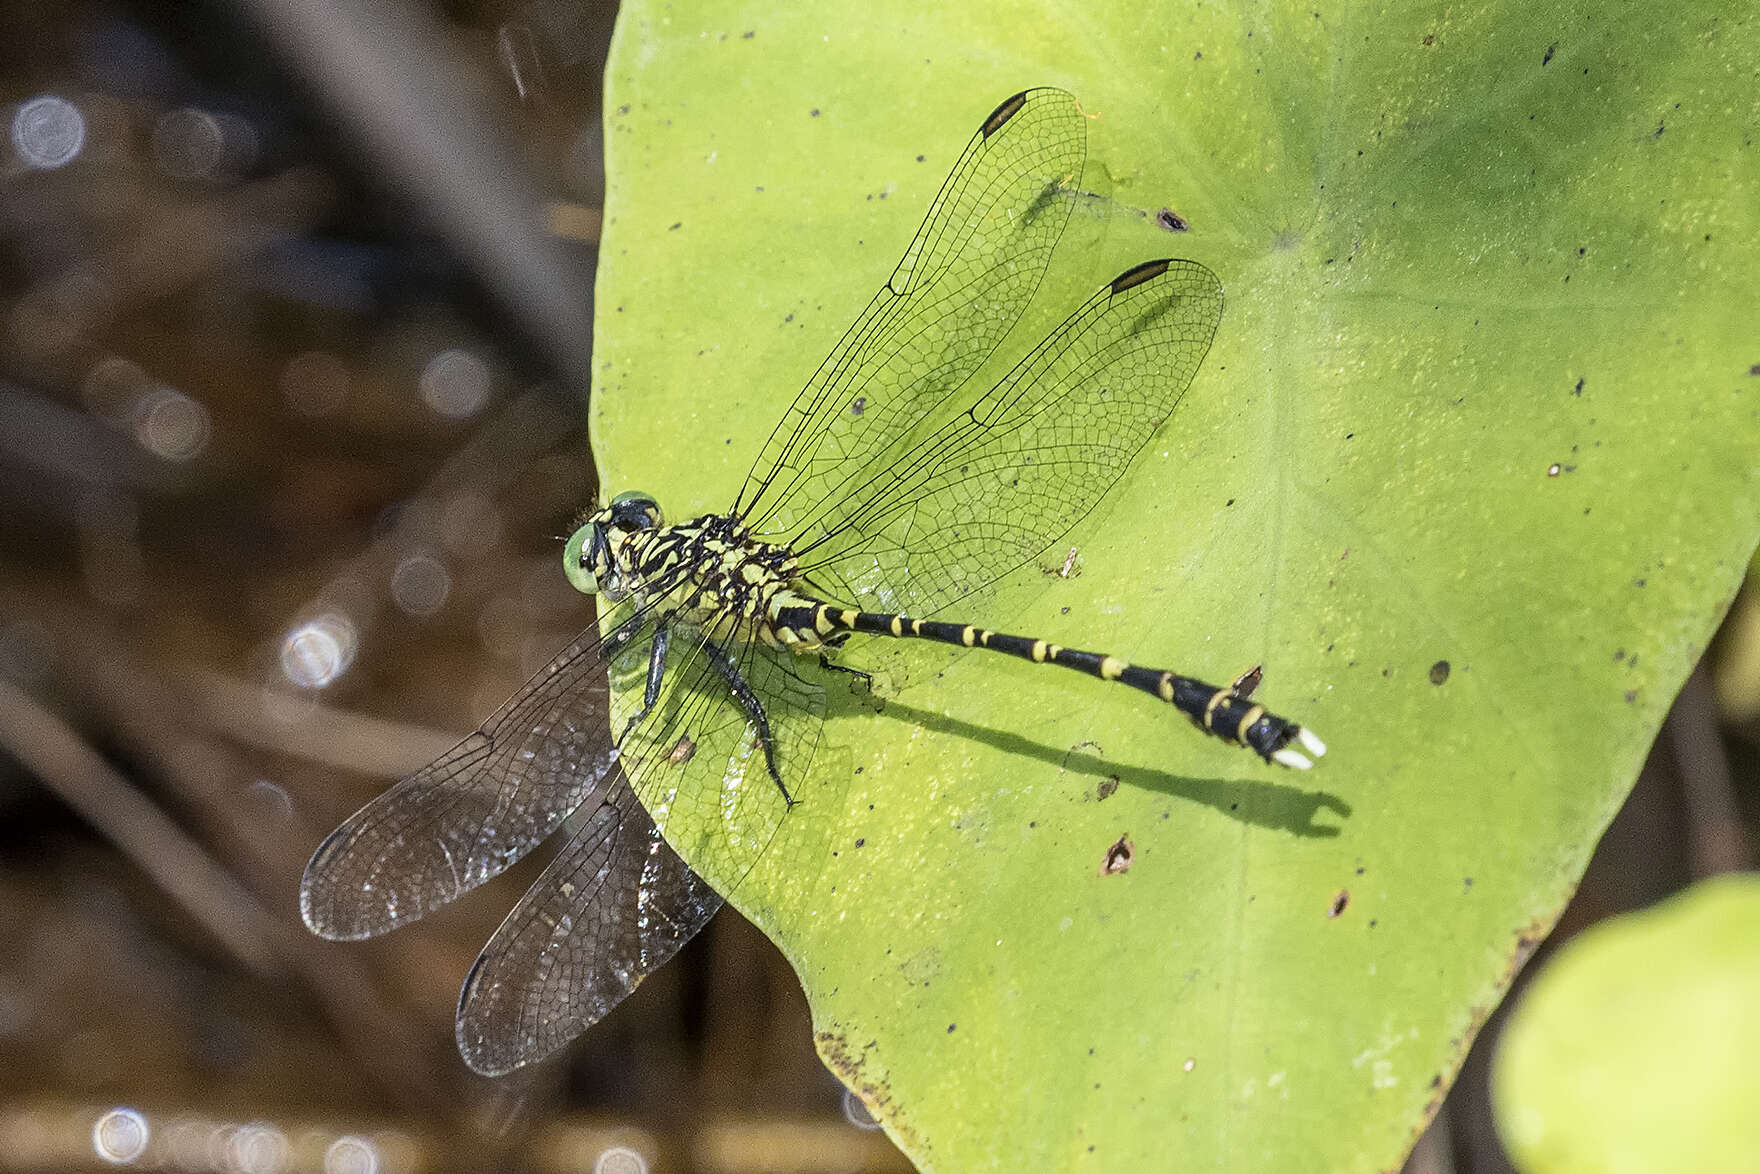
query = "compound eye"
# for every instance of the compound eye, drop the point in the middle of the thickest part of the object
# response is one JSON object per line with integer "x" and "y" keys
{"x": 581, "y": 576}
{"x": 635, "y": 510}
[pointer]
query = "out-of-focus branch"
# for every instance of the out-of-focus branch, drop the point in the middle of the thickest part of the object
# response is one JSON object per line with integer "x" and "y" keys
{"x": 425, "y": 125}
{"x": 327, "y": 736}
{"x": 1717, "y": 840}
{"x": 50, "y": 750}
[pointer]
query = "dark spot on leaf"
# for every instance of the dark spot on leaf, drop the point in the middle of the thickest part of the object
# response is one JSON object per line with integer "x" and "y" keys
{"x": 748, "y": 34}
{"x": 1550, "y": 50}
{"x": 1439, "y": 672}
{"x": 1172, "y": 221}
{"x": 813, "y": 113}
{"x": 858, "y": 405}
{"x": 1339, "y": 903}
{"x": 1106, "y": 788}
{"x": 1118, "y": 857}
{"x": 950, "y": 1028}
{"x": 860, "y": 842}
{"x": 1631, "y": 696}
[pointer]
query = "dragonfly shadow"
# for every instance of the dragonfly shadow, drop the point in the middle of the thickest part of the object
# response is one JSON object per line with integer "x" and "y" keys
{"x": 1259, "y": 802}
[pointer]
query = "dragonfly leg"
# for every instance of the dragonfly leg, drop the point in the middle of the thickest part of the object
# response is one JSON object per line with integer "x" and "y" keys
{"x": 748, "y": 701}
{"x": 829, "y": 665}
{"x": 656, "y": 673}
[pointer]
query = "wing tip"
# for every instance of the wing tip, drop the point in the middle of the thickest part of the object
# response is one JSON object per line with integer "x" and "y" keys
{"x": 1007, "y": 109}
{"x": 1138, "y": 274}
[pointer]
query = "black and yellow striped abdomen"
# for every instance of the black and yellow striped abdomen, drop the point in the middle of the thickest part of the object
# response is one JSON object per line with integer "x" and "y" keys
{"x": 1228, "y": 713}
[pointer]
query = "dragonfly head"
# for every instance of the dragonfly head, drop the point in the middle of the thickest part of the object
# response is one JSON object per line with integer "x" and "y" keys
{"x": 590, "y": 558}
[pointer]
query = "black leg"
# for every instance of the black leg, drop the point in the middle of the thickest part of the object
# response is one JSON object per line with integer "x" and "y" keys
{"x": 829, "y": 665}
{"x": 754, "y": 708}
{"x": 656, "y": 673}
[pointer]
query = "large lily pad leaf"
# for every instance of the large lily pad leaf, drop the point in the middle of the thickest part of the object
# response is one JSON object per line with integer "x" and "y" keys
{"x": 1470, "y": 469}
{"x": 1634, "y": 1048}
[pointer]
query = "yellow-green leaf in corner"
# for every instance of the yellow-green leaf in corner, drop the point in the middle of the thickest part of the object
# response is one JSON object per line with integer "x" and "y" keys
{"x": 1635, "y": 1048}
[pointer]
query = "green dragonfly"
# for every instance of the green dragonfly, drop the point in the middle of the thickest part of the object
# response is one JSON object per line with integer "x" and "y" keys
{"x": 893, "y": 489}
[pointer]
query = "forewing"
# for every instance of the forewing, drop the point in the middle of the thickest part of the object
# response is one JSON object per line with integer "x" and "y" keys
{"x": 997, "y": 485}
{"x": 973, "y": 267}
{"x": 478, "y": 808}
{"x": 613, "y": 906}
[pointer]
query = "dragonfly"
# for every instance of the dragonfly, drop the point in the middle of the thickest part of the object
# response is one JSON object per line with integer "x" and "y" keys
{"x": 685, "y": 722}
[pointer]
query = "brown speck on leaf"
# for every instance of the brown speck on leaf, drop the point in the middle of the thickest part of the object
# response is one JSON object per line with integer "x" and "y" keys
{"x": 1550, "y": 50}
{"x": 1172, "y": 221}
{"x": 682, "y": 750}
{"x": 1105, "y": 790}
{"x": 1439, "y": 672}
{"x": 1119, "y": 857}
{"x": 1339, "y": 904}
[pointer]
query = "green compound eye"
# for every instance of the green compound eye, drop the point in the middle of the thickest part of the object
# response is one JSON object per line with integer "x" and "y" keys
{"x": 580, "y": 576}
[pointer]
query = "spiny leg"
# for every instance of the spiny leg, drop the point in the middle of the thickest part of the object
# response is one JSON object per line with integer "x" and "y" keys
{"x": 748, "y": 701}
{"x": 829, "y": 665}
{"x": 656, "y": 673}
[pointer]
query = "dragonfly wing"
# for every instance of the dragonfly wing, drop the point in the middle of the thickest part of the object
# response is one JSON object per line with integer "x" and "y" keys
{"x": 972, "y": 268}
{"x": 619, "y": 901}
{"x": 614, "y": 906}
{"x": 477, "y": 809}
{"x": 994, "y": 487}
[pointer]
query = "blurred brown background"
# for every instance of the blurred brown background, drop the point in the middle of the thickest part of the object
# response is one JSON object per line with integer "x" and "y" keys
{"x": 295, "y": 305}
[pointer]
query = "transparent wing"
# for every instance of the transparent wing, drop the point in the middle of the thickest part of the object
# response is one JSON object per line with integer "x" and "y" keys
{"x": 615, "y": 905}
{"x": 480, "y": 807}
{"x": 973, "y": 267}
{"x": 618, "y": 901}
{"x": 998, "y": 484}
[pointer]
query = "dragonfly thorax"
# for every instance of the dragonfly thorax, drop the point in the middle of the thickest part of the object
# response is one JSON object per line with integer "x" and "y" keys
{"x": 709, "y": 572}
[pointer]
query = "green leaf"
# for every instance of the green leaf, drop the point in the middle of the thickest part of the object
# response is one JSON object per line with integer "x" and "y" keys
{"x": 1634, "y": 1048}
{"x": 1470, "y": 469}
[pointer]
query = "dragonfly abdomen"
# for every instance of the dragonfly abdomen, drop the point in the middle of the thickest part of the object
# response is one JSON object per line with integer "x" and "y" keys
{"x": 1227, "y": 712}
